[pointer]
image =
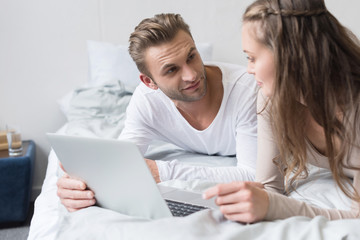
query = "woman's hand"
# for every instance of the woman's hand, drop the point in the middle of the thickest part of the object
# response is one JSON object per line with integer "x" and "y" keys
{"x": 245, "y": 202}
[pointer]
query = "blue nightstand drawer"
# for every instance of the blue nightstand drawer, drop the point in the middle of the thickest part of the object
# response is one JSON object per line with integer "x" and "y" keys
{"x": 16, "y": 174}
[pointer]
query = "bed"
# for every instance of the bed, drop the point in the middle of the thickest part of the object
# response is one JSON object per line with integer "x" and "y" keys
{"x": 98, "y": 110}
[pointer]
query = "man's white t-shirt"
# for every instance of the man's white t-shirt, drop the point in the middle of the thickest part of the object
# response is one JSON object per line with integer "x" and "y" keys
{"x": 151, "y": 115}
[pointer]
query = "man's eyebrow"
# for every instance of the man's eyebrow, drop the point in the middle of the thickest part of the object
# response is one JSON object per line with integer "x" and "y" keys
{"x": 191, "y": 50}
{"x": 170, "y": 65}
{"x": 166, "y": 66}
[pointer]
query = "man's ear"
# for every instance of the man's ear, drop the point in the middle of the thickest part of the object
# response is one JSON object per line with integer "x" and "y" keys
{"x": 148, "y": 81}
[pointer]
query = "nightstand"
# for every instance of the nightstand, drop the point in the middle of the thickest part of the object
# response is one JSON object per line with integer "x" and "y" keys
{"x": 16, "y": 174}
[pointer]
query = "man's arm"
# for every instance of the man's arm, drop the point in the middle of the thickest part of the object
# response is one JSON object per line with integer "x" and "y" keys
{"x": 153, "y": 169}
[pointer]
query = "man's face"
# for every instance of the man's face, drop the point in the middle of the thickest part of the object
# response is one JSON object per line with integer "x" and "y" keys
{"x": 177, "y": 69}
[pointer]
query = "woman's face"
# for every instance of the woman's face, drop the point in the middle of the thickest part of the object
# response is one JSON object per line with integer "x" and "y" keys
{"x": 260, "y": 59}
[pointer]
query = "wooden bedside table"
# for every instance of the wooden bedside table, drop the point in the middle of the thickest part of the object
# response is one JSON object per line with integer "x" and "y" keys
{"x": 16, "y": 175}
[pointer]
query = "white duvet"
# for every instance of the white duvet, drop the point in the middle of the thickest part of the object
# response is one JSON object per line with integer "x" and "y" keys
{"x": 96, "y": 223}
{"x": 52, "y": 221}
{"x": 90, "y": 114}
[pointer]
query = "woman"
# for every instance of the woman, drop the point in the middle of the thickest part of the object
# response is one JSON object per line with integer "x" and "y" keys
{"x": 308, "y": 67}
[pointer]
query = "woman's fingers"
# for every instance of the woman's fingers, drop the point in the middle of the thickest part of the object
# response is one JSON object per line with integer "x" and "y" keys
{"x": 241, "y": 195}
{"x": 227, "y": 188}
{"x": 223, "y": 189}
{"x": 238, "y": 207}
{"x": 240, "y": 201}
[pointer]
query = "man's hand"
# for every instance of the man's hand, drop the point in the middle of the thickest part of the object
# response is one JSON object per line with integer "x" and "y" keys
{"x": 153, "y": 169}
{"x": 245, "y": 202}
{"x": 73, "y": 193}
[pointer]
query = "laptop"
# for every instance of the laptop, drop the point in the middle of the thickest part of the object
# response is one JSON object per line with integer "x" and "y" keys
{"x": 116, "y": 172}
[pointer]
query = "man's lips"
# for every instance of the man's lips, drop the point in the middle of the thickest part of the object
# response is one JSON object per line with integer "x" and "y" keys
{"x": 193, "y": 86}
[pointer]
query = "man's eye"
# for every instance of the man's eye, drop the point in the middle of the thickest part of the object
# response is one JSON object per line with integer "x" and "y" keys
{"x": 192, "y": 56}
{"x": 171, "y": 70}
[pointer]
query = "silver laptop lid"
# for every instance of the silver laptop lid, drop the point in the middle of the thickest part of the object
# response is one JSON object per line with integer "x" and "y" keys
{"x": 115, "y": 170}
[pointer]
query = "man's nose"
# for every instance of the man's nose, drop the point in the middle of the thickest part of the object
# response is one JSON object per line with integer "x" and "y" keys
{"x": 188, "y": 73}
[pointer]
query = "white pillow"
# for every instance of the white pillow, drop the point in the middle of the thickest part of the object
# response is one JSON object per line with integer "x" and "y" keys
{"x": 205, "y": 50}
{"x": 111, "y": 62}
{"x": 108, "y": 62}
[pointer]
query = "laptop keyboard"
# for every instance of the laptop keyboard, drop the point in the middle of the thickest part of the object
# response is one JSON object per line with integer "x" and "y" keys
{"x": 179, "y": 209}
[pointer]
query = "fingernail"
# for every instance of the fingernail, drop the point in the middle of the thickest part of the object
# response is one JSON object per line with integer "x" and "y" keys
{"x": 90, "y": 195}
{"x": 204, "y": 196}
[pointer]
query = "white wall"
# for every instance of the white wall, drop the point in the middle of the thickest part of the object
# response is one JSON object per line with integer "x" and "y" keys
{"x": 42, "y": 56}
{"x": 43, "y": 49}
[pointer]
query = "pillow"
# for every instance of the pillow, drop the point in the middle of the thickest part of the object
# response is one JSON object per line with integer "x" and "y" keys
{"x": 98, "y": 111}
{"x": 108, "y": 101}
{"x": 205, "y": 50}
{"x": 108, "y": 62}
{"x": 111, "y": 62}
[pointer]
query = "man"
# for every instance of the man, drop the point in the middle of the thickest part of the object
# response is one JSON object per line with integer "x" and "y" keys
{"x": 205, "y": 109}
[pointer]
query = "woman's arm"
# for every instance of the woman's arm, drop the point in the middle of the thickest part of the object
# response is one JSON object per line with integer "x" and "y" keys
{"x": 267, "y": 172}
{"x": 281, "y": 207}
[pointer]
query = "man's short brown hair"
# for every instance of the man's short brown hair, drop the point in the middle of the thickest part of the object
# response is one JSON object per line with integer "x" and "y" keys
{"x": 153, "y": 31}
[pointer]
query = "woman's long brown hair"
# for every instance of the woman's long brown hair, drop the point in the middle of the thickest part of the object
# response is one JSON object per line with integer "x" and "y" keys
{"x": 317, "y": 64}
